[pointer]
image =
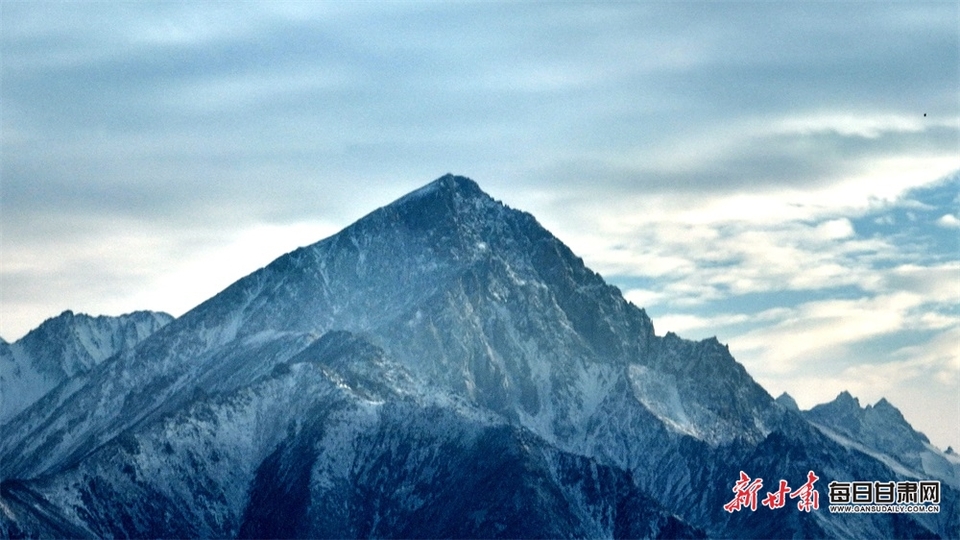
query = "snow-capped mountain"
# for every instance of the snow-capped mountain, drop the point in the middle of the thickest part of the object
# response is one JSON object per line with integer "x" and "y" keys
{"x": 882, "y": 431}
{"x": 442, "y": 367}
{"x": 62, "y": 347}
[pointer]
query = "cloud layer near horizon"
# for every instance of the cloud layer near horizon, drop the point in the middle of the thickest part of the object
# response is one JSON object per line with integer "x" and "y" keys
{"x": 782, "y": 175}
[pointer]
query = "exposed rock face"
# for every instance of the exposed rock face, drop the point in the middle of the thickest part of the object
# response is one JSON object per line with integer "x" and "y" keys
{"x": 63, "y": 347}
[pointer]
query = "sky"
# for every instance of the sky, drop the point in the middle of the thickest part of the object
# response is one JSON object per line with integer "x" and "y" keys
{"x": 784, "y": 176}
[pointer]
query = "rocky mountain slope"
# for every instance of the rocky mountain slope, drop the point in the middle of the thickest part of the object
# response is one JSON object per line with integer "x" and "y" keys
{"x": 881, "y": 431}
{"x": 62, "y": 347}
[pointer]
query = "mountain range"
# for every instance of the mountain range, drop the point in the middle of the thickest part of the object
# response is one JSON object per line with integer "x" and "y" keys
{"x": 443, "y": 367}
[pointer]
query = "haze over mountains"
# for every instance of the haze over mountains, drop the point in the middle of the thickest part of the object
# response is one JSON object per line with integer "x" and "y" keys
{"x": 444, "y": 367}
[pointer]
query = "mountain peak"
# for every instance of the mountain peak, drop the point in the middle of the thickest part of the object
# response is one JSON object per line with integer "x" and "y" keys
{"x": 847, "y": 400}
{"x": 843, "y": 413}
{"x": 447, "y": 186}
{"x": 886, "y": 409}
{"x": 457, "y": 183}
{"x": 787, "y": 401}
{"x": 880, "y": 426}
{"x": 883, "y": 404}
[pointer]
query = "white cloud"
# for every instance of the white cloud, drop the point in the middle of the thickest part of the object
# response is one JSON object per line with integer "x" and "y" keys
{"x": 642, "y": 297}
{"x": 939, "y": 356}
{"x": 938, "y": 283}
{"x": 836, "y": 229}
{"x": 864, "y": 125}
{"x": 949, "y": 221}
{"x": 699, "y": 262}
{"x": 821, "y": 331}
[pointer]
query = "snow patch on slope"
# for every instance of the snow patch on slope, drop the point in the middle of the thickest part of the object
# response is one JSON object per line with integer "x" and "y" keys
{"x": 658, "y": 392}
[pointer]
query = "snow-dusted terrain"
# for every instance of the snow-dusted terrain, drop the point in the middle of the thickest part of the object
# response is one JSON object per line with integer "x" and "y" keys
{"x": 881, "y": 431}
{"x": 444, "y": 367}
{"x": 63, "y": 347}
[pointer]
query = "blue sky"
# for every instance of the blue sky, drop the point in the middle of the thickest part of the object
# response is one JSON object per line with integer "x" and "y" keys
{"x": 782, "y": 175}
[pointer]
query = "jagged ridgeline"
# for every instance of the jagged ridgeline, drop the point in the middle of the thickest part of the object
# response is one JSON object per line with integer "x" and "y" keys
{"x": 444, "y": 367}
